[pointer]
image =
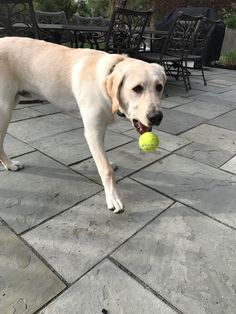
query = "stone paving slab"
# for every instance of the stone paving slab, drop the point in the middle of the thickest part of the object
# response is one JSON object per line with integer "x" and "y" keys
{"x": 26, "y": 283}
{"x": 210, "y": 155}
{"x": 14, "y": 147}
{"x": 47, "y": 109}
{"x": 120, "y": 125}
{"x": 24, "y": 113}
{"x": 227, "y": 121}
{"x": 175, "y": 122}
{"x": 39, "y": 191}
{"x": 172, "y": 102}
{"x": 188, "y": 258}
{"x": 230, "y": 165}
{"x": 85, "y": 234}
{"x": 205, "y": 188}
{"x": 33, "y": 129}
{"x": 107, "y": 287}
{"x": 70, "y": 147}
{"x": 214, "y": 98}
{"x": 213, "y": 136}
{"x": 205, "y": 109}
{"x": 127, "y": 158}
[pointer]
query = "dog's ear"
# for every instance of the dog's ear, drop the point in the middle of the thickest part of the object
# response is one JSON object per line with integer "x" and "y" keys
{"x": 160, "y": 70}
{"x": 113, "y": 85}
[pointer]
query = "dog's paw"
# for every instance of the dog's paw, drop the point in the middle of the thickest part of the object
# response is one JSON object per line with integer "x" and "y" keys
{"x": 115, "y": 205}
{"x": 14, "y": 165}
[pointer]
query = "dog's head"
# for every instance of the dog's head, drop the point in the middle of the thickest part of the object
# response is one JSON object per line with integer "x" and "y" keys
{"x": 135, "y": 88}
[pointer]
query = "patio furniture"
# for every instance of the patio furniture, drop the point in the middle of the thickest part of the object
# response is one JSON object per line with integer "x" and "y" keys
{"x": 171, "y": 50}
{"x": 88, "y": 37}
{"x": 78, "y": 30}
{"x": 56, "y": 36}
{"x": 125, "y": 32}
{"x": 200, "y": 45}
{"x": 217, "y": 36}
{"x": 17, "y": 18}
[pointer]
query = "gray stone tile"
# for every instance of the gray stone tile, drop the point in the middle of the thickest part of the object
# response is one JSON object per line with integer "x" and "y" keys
{"x": 227, "y": 121}
{"x": 128, "y": 159}
{"x": 167, "y": 141}
{"x": 42, "y": 189}
{"x": 229, "y": 95}
{"x": 176, "y": 101}
{"x": 78, "y": 239}
{"x": 203, "y": 187}
{"x": 120, "y": 125}
{"x": 176, "y": 88}
{"x": 175, "y": 122}
{"x": 70, "y": 147}
{"x": 24, "y": 113}
{"x": 230, "y": 165}
{"x": 214, "y": 98}
{"x": 14, "y": 147}
{"x": 32, "y": 129}
{"x": 221, "y": 82}
{"x": 206, "y": 154}
{"x": 107, "y": 287}
{"x": 205, "y": 109}
{"x": 26, "y": 283}
{"x": 213, "y": 136}
{"x": 188, "y": 258}
{"x": 47, "y": 109}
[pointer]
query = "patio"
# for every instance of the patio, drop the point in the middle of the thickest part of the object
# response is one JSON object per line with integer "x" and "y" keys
{"x": 174, "y": 248}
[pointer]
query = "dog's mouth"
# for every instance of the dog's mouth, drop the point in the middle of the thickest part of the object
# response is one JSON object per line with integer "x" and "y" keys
{"x": 141, "y": 128}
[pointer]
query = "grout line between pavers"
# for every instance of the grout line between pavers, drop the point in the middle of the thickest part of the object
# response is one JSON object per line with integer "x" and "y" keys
{"x": 178, "y": 201}
{"x": 57, "y": 214}
{"x": 101, "y": 260}
{"x": 143, "y": 284}
{"x": 32, "y": 250}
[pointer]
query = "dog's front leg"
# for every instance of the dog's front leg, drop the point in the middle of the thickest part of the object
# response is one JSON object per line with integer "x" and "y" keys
{"x": 95, "y": 140}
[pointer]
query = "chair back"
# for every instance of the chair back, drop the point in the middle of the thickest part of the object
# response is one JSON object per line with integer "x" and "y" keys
{"x": 58, "y": 17}
{"x": 81, "y": 20}
{"x": 125, "y": 32}
{"x": 17, "y": 18}
{"x": 202, "y": 37}
{"x": 180, "y": 37}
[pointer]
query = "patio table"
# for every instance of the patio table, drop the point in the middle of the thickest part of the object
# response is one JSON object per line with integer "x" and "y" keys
{"x": 75, "y": 29}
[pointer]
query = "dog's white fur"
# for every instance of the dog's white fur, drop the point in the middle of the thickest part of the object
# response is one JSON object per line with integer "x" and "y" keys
{"x": 98, "y": 82}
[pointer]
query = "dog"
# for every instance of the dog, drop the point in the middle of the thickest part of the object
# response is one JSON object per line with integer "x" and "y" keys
{"x": 98, "y": 82}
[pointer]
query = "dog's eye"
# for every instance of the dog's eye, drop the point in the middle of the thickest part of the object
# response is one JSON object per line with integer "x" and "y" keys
{"x": 138, "y": 89}
{"x": 159, "y": 87}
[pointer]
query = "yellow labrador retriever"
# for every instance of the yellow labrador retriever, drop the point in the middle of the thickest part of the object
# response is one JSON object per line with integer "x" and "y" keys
{"x": 98, "y": 82}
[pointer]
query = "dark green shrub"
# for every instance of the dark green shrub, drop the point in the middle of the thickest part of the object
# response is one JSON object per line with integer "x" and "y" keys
{"x": 230, "y": 22}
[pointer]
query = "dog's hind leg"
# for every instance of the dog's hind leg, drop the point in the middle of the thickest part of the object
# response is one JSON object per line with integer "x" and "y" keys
{"x": 6, "y": 107}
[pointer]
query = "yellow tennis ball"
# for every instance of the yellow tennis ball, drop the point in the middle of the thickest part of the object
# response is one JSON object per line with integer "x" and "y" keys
{"x": 148, "y": 142}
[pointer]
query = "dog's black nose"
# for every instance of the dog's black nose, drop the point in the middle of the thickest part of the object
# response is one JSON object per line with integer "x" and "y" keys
{"x": 155, "y": 117}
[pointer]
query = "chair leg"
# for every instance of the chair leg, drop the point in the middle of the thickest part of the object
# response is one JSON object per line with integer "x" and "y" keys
{"x": 203, "y": 75}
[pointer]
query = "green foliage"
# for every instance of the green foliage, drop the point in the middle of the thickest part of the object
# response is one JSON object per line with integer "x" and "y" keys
{"x": 83, "y": 8}
{"x": 100, "y": 7}
{"x": 68, "y": 6}
{"x": 230, "y": 22}
{"x": 228, "y": 58}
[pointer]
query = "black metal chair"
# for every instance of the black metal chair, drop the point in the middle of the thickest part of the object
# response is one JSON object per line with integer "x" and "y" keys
{"x": 125, "y": 32}
{"x": 171, "y": 50}
{"x": 88, "y": 37}
{"x": 199, "y": 48}
{"x": 17, "y": 18}
{"x": 55, "y": 36}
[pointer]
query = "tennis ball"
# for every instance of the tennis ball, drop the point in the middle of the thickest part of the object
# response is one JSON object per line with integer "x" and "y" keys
{"x": 148, "y": 142}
